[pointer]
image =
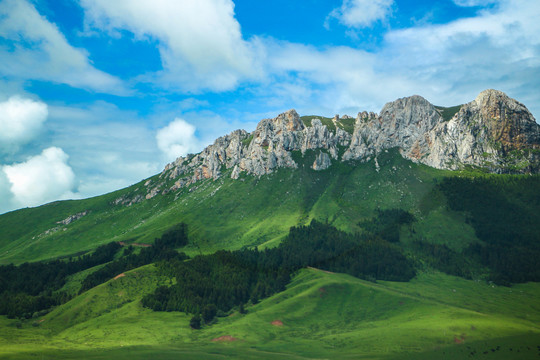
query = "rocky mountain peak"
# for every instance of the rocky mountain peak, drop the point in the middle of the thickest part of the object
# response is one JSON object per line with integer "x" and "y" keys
{"x": 491, "y": 96}
{"x": 493, "y": 131}
{"x": 506, "y": 120}
{"x": 288, "y": 121}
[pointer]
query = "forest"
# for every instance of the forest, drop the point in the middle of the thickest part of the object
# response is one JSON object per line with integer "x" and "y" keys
{"x": 209, "y": 284}
{"x": 31, "y": 288}
{"x": 505, "y": 214}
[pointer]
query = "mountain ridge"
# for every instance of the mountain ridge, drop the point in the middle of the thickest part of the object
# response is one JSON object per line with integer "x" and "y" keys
{"x": 493, "y": 132}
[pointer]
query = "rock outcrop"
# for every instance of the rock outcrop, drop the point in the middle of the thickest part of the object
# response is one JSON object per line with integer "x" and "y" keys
{"x": 72, "y": 218}
{"x": 493, "y": 131}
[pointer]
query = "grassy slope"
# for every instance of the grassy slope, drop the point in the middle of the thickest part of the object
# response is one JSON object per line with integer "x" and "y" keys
{"x": 233, "y": 213}
{"x": 324, "y": 315}
{"x": 349, "y": 317}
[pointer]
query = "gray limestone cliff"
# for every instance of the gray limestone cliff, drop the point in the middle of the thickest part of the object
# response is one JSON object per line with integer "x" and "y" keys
{"x": 494, "y": 132}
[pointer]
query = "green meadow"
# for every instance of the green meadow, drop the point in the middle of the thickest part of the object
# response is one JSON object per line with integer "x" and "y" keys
{"x": 320, "y": 315}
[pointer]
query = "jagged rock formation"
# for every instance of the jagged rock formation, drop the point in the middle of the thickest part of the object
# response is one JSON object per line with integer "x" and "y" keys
{"x": 269, "y": 147}
{"x": 322, "y": 162}
{"x": 493, "y": 131}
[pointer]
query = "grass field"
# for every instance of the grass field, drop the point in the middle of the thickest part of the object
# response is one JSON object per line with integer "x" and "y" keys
{"x": 320, "y": 315}
{"x": 229, "y": 214}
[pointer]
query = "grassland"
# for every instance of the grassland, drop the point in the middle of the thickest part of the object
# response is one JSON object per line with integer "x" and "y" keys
{"x": 228, "y": 214}
{"x": 320, "y": 315}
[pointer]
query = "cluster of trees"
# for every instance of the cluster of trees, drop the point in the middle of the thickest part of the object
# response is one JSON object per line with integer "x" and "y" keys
{"x": 444, "y": 259}
{"x": 33, "y": 287}
{"x": 220, "y": 281}
{"x": 505, "y": 213}
{"x": 163, "y": 249}
{"x": 365, "y": 256}
{"x": 208, "y": 284}
{"x": 387, "y": 222}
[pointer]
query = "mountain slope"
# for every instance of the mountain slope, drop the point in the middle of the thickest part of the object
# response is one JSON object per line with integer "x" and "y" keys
{"x": 313, "y": 167}
{"x": 223, "y": 213}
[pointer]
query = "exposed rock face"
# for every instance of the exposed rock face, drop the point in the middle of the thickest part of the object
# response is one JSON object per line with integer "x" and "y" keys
{"x": 72, "y": 218}
{"x": 322, "y": 162}
{"x": 493, "y": 131}
{"x": 269, "y": 147}
{"x": 400, "y": 124}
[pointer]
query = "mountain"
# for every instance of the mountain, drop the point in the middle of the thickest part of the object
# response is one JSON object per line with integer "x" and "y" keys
{"x": 493, "y": 132}
{"x": 446, "y": 197}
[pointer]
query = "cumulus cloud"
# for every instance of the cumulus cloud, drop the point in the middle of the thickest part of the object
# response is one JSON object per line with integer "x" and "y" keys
{"x": 447, "y": 63}
{"x": 42, "y": 178}
{"x": 20, "y": 121}
{"x": 177, "y": 139}
{"x": 498, "y": 48}
{"x": 38, "y": 50}
{"x": 200, "y": 42}
{"x": 362, "y": 13}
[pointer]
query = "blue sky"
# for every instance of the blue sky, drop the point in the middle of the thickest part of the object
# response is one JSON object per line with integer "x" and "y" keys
{"x": 97, "y": 94}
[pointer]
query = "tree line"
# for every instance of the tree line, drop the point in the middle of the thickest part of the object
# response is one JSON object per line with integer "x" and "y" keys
{"x": 162, "y": 249}
{"x": 208, "y": 284}
{"x": 31, "y": 288}
{"x": 505, "y": 214}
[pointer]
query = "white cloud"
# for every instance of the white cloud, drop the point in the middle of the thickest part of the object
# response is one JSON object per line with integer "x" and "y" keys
{"x": 38, "y": 50}
{"x": 447, "y": 63}
{"x": 362, "y": 13}
{"x": 20, "y": 121}
{"x": 42, "y": 178}
{"x": 498, "y": 48}
{"x": 200, "y": 42}
{"x": 474, "y": 3}
{"x": 112, "y": 148}
{"x": 177, "y": 139}
{"x": 334, "y": 79}
{"x": 5, "y": 194}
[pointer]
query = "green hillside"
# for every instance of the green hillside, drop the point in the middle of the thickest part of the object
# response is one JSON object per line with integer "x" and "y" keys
{"x": 228, "y": 214}
{"x": 320, "y": 315}
{"x": 484, "y": 228}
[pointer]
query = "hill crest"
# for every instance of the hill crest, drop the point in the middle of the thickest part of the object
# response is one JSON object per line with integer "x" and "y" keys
{"x": 493, "y": 132}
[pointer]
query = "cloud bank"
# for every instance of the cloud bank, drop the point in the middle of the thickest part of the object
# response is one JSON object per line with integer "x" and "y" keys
{"x": 20, "y": 121}
{"x": 40, "y": 179}
{"x": 39, "y": 51}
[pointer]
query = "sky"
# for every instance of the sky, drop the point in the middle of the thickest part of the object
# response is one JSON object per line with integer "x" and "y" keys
{"x": 96, "y": 95}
